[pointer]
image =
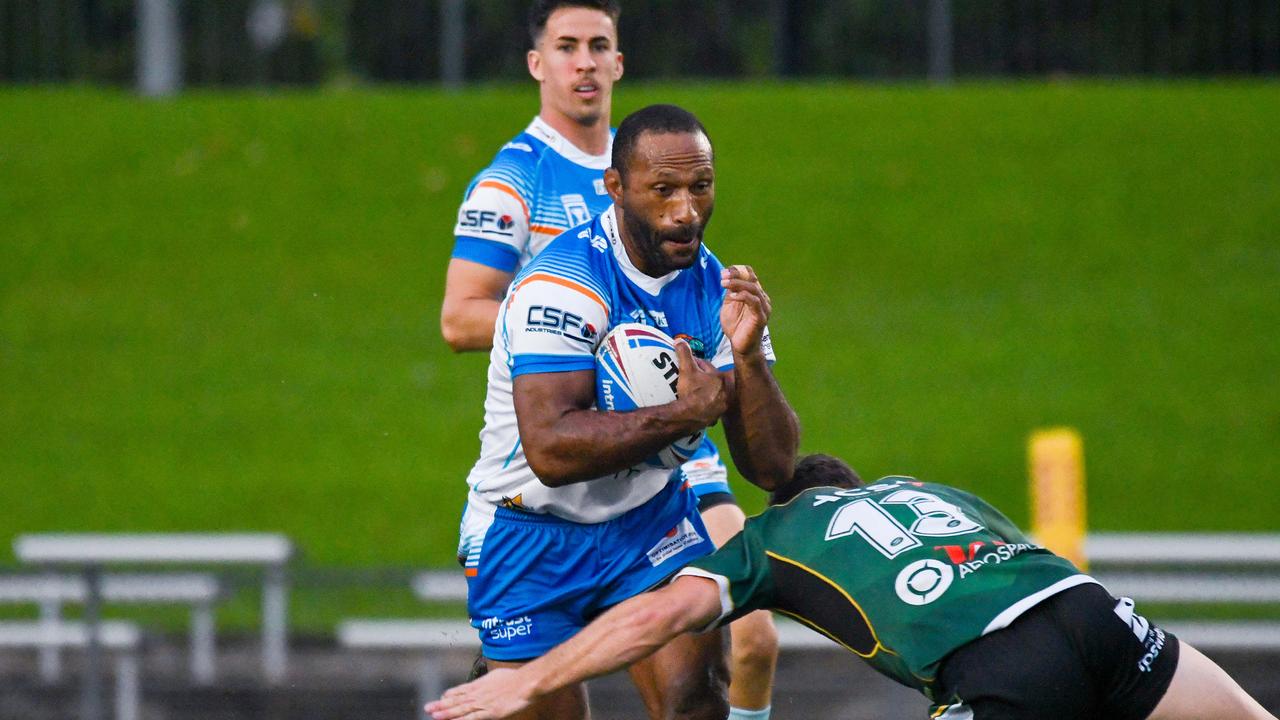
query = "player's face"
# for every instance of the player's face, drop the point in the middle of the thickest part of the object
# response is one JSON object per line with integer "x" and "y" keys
{"x": 577, "y": 61}
{"x": 666, "y": 201}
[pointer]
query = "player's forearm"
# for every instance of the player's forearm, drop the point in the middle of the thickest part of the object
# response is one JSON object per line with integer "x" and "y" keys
{"x": 762, "y": 429}
{"x": 467, "y": 323}
{"x": 624, "y": 635}
{"x": 587, "y": 444}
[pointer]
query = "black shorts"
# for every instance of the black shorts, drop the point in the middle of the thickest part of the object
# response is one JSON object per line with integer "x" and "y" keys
{"x": 710, "y": 500}
{"x": 1078, "y": 654}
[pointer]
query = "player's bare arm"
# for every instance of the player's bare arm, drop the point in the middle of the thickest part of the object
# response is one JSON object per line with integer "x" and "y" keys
{"x": 472, "y": 295}
{"x": 625, "y": 634}
{"x": 761, "y": 427}
{"x": 567, "y": 441}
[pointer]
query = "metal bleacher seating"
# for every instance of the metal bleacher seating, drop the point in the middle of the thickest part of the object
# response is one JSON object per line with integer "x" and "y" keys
{"x": 51, "y": 591}
{"x": 123, "y": 639}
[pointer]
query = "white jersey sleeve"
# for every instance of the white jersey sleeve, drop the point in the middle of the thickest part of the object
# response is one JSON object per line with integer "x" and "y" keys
{"x": 492, "y": 228}
{"x": 495, "y": 220}
{"x": 553, "y": 324}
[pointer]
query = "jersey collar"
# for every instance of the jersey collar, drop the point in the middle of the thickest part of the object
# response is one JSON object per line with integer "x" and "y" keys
{"x": 554, "y": 140}
{"x": 651, "y": 285}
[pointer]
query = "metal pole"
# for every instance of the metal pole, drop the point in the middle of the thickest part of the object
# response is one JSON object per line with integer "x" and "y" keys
{"x": 941, "y": 69}
{"x": 50, "y": 620}
{"x": 452, "y": 43}
{"x": 275, "y": 624}
{"x": 783, "y": 38}
{"x": 430, "y": 683}
{"x": 91, "y": 699}
{"x": 49, "y": 56}
{"x": 127, "y": 686}
{"x": 159, "y": 48}
{"x": 202, "y": 644}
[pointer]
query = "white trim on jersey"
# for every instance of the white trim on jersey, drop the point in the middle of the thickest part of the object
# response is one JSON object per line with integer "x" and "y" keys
{"x": 1011, "y": 613}
{"x": 726, "y": 599}
{"x": 554, "y": 140}
{"x": 651, "y": 285}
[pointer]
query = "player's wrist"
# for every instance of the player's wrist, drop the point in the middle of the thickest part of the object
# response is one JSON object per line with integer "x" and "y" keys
{"x": 536, "y": 683}
{"x": 750, "y": 355}
{"x": 688, "y": 417}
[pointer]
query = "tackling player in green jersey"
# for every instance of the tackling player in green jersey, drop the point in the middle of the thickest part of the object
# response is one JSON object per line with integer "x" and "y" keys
{"x": 929, "y": 584}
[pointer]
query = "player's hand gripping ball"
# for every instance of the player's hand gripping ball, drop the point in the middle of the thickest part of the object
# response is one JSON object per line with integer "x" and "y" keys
{"x": 636, "y": 367}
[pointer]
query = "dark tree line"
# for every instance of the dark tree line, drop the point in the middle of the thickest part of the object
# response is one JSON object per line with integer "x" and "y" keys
{"x": 399, "y": 40}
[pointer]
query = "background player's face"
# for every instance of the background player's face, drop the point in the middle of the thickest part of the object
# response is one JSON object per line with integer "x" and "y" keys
{"x": 666, "y": 201}
{"x": 577, "y": 61}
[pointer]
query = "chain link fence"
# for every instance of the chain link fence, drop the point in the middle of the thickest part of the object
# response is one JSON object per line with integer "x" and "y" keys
{"x": 255, "y": 42}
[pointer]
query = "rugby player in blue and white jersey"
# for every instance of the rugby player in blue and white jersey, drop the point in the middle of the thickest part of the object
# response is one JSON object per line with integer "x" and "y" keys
{"x": 565, "y": 518}
{"x": 547, "y": 179}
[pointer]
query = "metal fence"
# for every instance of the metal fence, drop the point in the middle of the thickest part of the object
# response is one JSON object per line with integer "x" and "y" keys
{"x": 240, "y": 42}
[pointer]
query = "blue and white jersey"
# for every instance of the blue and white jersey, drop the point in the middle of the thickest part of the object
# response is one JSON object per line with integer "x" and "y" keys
{"x": 556, "y": 312}
{"x": 538, "y": 186}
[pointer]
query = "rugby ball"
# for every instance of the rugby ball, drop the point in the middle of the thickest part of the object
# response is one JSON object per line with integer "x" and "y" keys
{"x": 636, "y": 367}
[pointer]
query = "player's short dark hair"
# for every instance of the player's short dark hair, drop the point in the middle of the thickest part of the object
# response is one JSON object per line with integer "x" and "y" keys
{"x": 540, "y": 11}
{"x": 655, "y": 119}
{"x": 816, "y": 471}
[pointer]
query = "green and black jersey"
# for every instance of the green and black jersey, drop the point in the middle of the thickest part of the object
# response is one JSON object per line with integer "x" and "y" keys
{"x": 900, "y": 572}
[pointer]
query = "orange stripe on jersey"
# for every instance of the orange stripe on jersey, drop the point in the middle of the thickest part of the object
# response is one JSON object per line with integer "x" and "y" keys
{"x": 472, "y": 572}
{"x": 544, "y": 277}
{"x": 503, "y": 187}
{"x": 546, "y": 229}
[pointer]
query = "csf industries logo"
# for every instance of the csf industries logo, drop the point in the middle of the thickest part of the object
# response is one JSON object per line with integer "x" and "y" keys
{"x": 487, "y": 222}
{"x": 553, "y": 320}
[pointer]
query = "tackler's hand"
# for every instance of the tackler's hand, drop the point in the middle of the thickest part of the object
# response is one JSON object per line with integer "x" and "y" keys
{"x": 488, "y": 697}
{"x": 746, "y": 309}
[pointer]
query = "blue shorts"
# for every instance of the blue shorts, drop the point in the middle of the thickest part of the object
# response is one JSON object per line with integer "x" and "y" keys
{"x": 541, "y": 578}
{"x": 705, "y": 472}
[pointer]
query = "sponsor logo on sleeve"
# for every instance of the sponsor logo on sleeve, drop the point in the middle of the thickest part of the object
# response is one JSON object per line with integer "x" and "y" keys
{"x": 486, "y": 222}
{"x": 554, "y": 321}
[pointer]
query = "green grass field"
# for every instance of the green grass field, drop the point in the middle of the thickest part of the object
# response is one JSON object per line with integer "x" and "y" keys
{"x": 220, "y": 313}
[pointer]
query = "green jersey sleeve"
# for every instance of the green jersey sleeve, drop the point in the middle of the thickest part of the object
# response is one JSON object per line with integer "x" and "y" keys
{"x": 741, "y": 570}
